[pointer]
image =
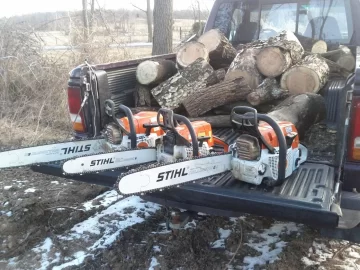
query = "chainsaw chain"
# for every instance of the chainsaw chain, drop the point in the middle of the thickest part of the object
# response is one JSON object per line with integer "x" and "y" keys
{"x": 109, "y": 152}
{"x": 156, "y": 165}
{"x": 57, "y": 162}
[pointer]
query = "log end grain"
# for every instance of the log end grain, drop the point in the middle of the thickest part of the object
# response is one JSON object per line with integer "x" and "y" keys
{"x": 319, "y": 46}
{"x": 190, "y": 52}
{"x": 272, "y": 61}
{"x": 248, "y": 78}
{"x": 300, "y": 80}
{"x": 211, "y": 39}
{"x": 147, "y": 72}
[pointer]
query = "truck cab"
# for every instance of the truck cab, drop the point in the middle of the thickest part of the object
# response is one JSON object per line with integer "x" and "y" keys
{"x": 323, "y": 191}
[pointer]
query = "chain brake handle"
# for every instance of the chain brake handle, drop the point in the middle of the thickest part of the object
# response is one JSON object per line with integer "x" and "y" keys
{"x": 110, "y": 110}
{"x": 170, "y": 121}
{"x": 240, "y": 114}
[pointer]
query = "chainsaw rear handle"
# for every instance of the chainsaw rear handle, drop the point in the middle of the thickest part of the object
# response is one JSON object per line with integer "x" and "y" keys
{"x": 170, "y": 122}
{"x": 110, "y": 110}
{"x": 237, "y": 118}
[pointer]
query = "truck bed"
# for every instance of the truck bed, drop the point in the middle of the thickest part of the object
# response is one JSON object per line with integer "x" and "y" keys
{"x": 306, "y": 193}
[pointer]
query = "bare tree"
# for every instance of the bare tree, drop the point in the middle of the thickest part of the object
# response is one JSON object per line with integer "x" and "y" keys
{"x": 148, "y": 13}
{"x": 163, "y": 22}
{"x": 85, "y": 19}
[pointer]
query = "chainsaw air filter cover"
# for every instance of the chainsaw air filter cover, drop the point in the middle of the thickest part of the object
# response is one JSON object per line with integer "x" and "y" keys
{"x": 113, "y": 134}
{"x": 248, "y": 147}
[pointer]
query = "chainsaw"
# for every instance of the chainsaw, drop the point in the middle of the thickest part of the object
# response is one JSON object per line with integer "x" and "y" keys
{"x": 178, "y": 139}
{"x": 116, "y": 137}
{"x": 265, "y": 152}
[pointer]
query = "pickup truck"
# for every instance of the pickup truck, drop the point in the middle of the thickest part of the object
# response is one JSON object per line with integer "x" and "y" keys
{"x": 321, "y": 194}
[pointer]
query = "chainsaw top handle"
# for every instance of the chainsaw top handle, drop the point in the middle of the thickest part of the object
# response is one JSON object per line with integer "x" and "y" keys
{"x": 110, "y": 110}
{"x": 170, "y": 121}
{"x": 242, "y": 115}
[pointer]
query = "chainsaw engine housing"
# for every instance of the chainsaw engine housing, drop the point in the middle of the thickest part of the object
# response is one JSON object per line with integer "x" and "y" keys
{"x": 253, "y": 162}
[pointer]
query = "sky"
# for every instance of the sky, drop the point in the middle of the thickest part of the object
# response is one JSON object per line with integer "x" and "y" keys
{"x": 20, "y": 7}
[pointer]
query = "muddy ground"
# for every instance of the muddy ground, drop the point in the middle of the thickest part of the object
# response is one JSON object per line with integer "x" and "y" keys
{"x": 53, "y": 223}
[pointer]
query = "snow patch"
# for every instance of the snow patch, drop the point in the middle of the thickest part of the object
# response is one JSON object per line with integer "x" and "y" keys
{"x": 268, "y": 244}
{"x": 220, "y": 243}
{"x": 104, "y": 199}
{"x": 54, "y": 182}
{"x": 156, "y": 249}
{"x": 87, "y": 237}
{"x": 154, "y": 262}
{"x": 7, "y": 187}
{"x": 30, "y": 190}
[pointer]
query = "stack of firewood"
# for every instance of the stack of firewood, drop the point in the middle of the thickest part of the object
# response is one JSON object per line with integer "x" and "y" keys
{"x": 210, "y": 76}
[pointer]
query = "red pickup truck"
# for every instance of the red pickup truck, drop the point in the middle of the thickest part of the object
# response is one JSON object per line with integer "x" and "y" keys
{"x": 321, "y": 194}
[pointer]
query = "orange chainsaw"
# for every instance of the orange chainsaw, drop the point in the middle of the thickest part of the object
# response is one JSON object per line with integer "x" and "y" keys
{"x": 166, "y": 138}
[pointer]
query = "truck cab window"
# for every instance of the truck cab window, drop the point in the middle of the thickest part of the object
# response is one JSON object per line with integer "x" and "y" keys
{"x": 276, "y": 18}
{"x": 245, "y": 21}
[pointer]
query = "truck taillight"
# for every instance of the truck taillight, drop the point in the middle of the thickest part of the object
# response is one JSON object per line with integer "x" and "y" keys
{"x": 354, "y": 142}
{"x": 77, "y": 116}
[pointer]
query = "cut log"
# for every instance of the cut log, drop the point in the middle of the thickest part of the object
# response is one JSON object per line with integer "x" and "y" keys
{"x": 142, "y": 96}
{"x": 263, "y": 108}
{"x": 283, "y": 51}
{"x": 268, "y": 91}
{"x": 244, "y": 66}
{"x": 155, "y": 72}
{"x": 221, "y": 51}
{"x": 205, "y": 99}
{"x": 144, "y": 109}
{"x": 309, "y": 75}
{"x": 216, "y": 77}
{"x": 343, "y": 57}
{"x": 312, "y": 45}
{"x": 302, "y": 110}
{"x": 217, "y": 121}
{"x": 174, "y": 91}
{"x": 189, "y": 52}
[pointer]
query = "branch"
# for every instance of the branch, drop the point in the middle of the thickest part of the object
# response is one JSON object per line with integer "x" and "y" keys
{"x": 143, "y": 10}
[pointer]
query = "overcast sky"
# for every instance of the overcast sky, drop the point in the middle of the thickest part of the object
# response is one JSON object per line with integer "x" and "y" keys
{"x": 19, "y": 7}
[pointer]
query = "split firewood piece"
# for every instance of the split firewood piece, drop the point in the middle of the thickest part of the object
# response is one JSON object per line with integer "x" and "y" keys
{"x": 244, "y": 66}
{"x": 312, "y": 45}
{"x": 142, "y": 96}
{"x": 216, "y": 121}
{"x": 303, "y": 110}
{"x": 174, "y": 91}
{"x": 189, "y": 52}
{"x": 205, "y": 99}
{"x": 216, "y": 77}
{"x": 309, "y": 75}
{"x": 221, "y": 51}
{"x": 154, "y": 72}
{"x": 282, "y": 51}
{"x": 268, "y": 91}
{"x": 343, "y": 57}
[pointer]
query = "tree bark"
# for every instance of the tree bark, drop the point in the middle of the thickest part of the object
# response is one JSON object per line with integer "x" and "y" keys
{"x": 154, "y": 72}
{"x": 309, "y": 75}
{"x": 216, "y": 77}
{"x": 244, "y": 66}
{"x": 283, "y": 51}
{"x": 217, "y": 121}
{"x": 221, "y": 51}
{"x": 149, "y": 20}
{"x": 268, "y": 91}
{"x": 302, "y": 110}
{"x": 175, "y": 90}
{"x": 312, "y": 45}
{"x": 189, "y": 52}
{"x": 205, "y": 99}
{"x": 142, "y": 96}
{"x": 85, "y": 20}
{"x": 163, "y": 22}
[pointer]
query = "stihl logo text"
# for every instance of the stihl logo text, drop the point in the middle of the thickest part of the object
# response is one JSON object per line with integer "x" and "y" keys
{"x": 102, "y": 161}
{"x": 171, "y": 174}
{"x": 76, "y": 149}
